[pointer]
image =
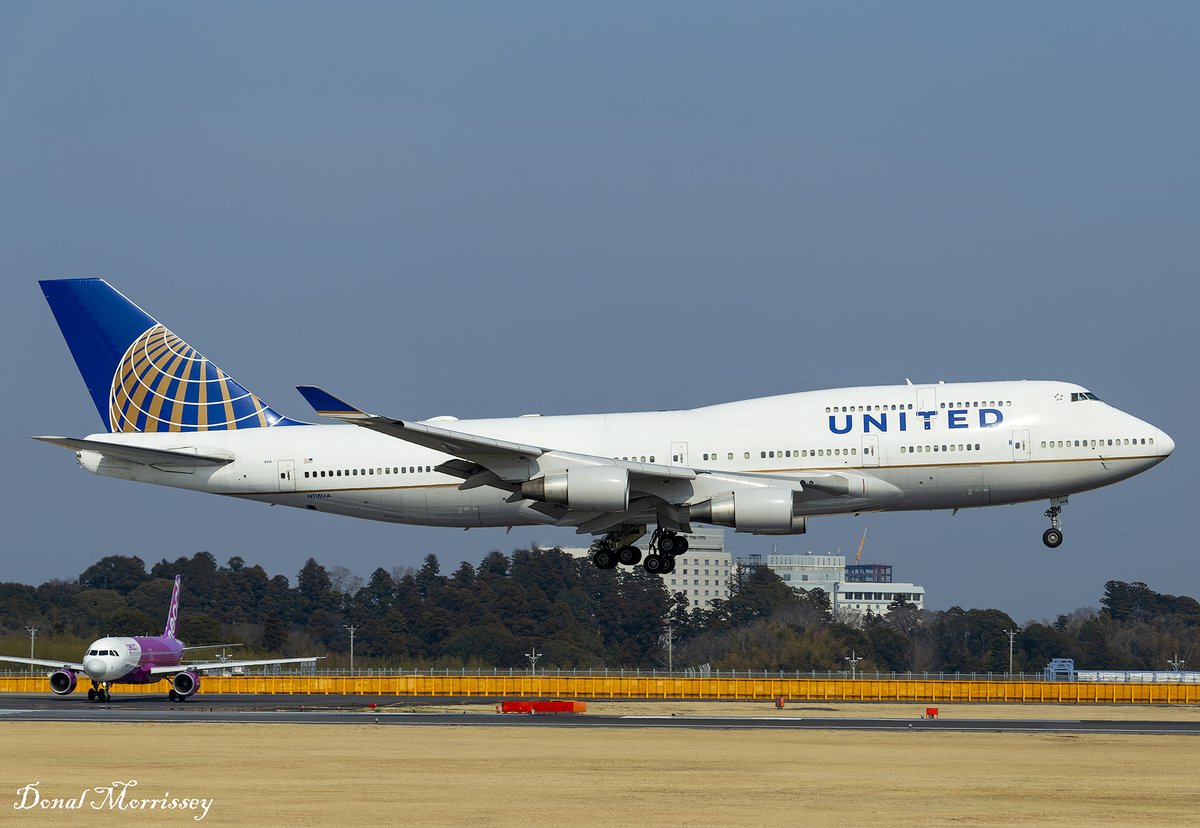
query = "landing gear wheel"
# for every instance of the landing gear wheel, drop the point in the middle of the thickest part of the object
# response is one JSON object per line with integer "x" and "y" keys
{"x": 605, "y": 559}
{"x": 655, "y": 564}
{"x": 670, "y": 544}
{"x": 172, "y": 695}
{"x": 670, "y": 567}
{"x": 92, "y": 694}
{"x": 1052, "y": 538}
{"x": 629, "y": 555}
{"x": 683, "y": 544}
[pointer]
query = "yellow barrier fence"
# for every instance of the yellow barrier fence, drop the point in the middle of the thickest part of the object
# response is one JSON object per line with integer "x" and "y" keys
{"x": 646, "y": 687}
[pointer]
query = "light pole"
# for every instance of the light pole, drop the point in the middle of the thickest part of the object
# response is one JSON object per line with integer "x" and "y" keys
{"x": 33, "y": 631}
{"x": 533, "y": 657}
{"x": 1012, "y": 634}
{"x": 1176, "y": 663}
{"x": 351, "y": 628}
{"x": 853, "y": 658}
{"x": 670, "y": 648}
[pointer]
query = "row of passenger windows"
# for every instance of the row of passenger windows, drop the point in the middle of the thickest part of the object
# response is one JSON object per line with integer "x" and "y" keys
{"x": 943, "y": 447}
{"x": 368, "y": 472}
{"x": 1136, "y": 441}
{"x": 765, "y": 455}
{"x": 909, "y": 406}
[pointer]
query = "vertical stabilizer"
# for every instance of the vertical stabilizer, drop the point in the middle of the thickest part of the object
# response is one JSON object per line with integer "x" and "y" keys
{"x": 141, "y": 376}
{"x": 173, "y": 612}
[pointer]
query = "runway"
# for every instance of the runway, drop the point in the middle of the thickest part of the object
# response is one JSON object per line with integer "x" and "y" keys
{"x": 343, "y": 710}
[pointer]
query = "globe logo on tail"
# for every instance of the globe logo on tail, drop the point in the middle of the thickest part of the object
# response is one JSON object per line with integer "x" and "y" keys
{"x": 164, "y": 384}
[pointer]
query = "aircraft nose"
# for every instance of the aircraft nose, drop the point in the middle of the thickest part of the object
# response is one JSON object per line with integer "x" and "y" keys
{"x": 1165, "y": 444}
{"x": 95, "y": 668}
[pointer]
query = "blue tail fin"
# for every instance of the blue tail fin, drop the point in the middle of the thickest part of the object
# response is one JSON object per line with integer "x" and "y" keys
{"x": 141, "y": 376}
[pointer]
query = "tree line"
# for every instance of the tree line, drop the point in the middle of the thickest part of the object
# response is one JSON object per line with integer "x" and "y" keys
{"x": 579, "y": 616}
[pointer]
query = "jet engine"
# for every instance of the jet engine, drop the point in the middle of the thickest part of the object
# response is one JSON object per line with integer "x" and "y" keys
{"x": 766, "y": 511}
{"x": 185, "y": 683}
{"x": 582, "y": 488}
{"x": 62, "y": 682}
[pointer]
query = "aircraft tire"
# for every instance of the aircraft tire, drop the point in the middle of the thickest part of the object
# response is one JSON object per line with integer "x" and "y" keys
{"x": 654, "y": 564}
{"x": 605, "y": 559}
{"x": 629, "y": 555}
{"x": 1053, "y": 538}
{"x": 670, "y": 565}
{"x": 92, "y": 694}
{"x": 668, "y": 544}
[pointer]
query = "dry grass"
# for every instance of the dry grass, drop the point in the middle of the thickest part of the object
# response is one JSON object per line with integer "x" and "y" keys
{"x": 869, "y": 710}
{"x": 369, "y": 775}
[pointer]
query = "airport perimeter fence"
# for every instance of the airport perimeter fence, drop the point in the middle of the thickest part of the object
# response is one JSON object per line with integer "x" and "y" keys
{"x": 649, "y": 685}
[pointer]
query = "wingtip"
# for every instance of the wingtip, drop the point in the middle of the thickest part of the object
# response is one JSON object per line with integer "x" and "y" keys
{"x": 328, "y": 405}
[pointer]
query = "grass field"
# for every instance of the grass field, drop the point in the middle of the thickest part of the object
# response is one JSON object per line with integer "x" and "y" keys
{"x": 366, "y": 775}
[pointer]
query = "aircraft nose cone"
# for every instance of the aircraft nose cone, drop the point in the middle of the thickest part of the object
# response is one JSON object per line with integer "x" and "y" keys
{"x": 1165, "y": 444}
{"x": 95, "y": 668}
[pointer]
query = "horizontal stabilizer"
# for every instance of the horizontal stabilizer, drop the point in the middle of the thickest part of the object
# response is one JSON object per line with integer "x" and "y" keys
{"x": 138, "y": 454}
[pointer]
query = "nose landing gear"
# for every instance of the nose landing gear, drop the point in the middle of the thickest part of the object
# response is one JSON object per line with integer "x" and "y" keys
{"x": 1053, "y": 537}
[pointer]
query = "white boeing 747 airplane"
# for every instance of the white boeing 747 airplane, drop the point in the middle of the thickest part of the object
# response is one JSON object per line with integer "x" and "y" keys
{"x": 763, "y": 466}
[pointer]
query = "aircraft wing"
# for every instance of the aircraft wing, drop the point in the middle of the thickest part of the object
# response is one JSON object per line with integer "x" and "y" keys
{"x": 138, "y": 454}
{"x": 496, "y": 462}
{"x": 469, "y": 447}
{"x": 44, "y": 662}
{"x": 205, "y": 666}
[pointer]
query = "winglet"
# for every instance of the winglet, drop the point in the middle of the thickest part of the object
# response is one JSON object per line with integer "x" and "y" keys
{"x": 328, "y": 405}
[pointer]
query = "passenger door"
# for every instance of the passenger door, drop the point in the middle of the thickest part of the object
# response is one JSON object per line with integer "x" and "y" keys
{"x": 1020, "y": 443}
{"x": 679, "y": 454}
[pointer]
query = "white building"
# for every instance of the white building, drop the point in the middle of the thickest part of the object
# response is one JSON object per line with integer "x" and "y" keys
{"x": 854, "y": 589}
{"x": 702, "y": 573}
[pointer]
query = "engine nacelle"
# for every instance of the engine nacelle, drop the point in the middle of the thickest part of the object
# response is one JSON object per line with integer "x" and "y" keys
{"x": 766, "y": 511}
{"x": 583, "y": 488}
{"x": 62, "y": 682}
{"x": 185, "y": 683}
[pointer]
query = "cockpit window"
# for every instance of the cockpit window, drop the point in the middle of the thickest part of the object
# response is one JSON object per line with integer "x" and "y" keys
{"x": 1083, "y": 395}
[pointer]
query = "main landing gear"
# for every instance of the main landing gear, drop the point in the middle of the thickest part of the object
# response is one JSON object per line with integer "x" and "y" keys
{"x": 617, "y": 548}
{"x": 1053, "y": 537}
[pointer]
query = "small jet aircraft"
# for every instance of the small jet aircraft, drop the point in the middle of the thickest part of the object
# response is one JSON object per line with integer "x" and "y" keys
{"x": 763, "y": 466}
{"x": 140, "y": 660}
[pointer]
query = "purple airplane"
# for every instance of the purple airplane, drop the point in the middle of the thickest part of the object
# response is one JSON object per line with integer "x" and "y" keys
{"x": 140, "y": 660}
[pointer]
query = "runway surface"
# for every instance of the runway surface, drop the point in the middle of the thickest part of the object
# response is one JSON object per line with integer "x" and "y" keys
{"x": 345, "y": 710}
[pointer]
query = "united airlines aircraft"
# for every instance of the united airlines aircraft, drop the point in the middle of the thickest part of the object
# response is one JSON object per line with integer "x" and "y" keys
{"x": 140, "y": 660}
{"x": 763, "y": 466}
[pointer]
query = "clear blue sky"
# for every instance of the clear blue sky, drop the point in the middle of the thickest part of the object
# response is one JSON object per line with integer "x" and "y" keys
{"x": 491, "y": 209}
